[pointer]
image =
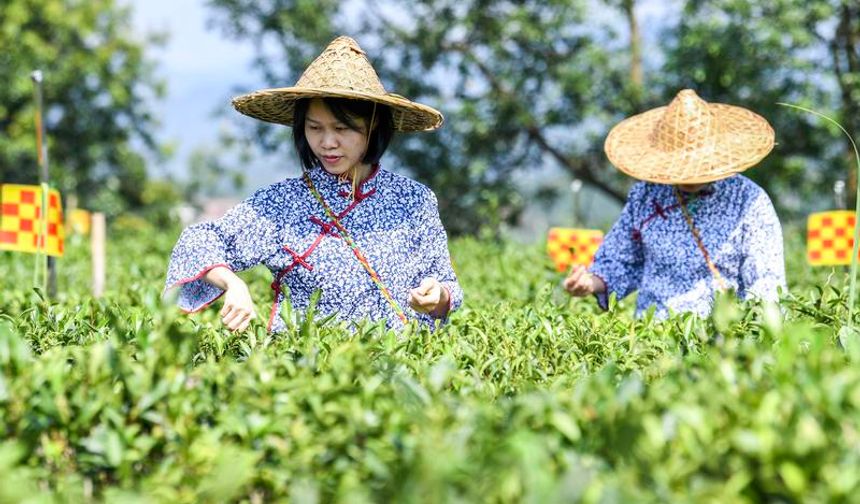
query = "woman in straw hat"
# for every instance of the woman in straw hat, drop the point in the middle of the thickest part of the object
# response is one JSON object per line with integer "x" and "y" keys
{"x": 369, "y": 240}
{"x": 693, "y": 225}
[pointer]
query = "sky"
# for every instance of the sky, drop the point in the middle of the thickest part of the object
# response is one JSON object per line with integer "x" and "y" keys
{"x": 202, "y": 69}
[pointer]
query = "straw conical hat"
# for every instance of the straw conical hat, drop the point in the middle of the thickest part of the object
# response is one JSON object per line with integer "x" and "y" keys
{"x": 341, "y": 71}
{"x": 690, "y": 141}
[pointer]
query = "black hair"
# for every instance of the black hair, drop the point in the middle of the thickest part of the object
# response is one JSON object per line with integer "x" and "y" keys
{"x": 346, "y": 111}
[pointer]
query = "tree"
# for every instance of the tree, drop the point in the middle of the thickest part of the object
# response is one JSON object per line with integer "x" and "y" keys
{"x": 759, "y": 53}
{"x": 98, "y": 83}
{"x": 512, "y": 78}
{"x": 525, "y": 84}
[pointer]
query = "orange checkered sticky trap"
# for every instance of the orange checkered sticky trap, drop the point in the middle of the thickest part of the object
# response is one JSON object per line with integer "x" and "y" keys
{"x": 568, "y": 246}
{"x": 79, "y": 222}
{"x": 21, "y": 220}
{"x": 830, "y": 238}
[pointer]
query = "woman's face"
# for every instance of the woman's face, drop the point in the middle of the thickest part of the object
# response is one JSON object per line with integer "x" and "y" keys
{"x": 338, "y": 147}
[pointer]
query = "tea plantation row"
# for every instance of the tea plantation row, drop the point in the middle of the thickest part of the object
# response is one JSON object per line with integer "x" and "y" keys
{"x": 526, "y": 396}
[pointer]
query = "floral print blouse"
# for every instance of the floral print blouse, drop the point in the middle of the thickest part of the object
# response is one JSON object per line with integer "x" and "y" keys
{"x": 393, "y": 220}
{"x": 652, "y": 249}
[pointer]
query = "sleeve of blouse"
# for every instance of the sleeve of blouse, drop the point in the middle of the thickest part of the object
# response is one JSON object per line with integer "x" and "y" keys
{"x": 619, "y": 261}
{"x": 433, "y": 243}
{"x": 239, "y": 240}
{"x": 762, "y": 269}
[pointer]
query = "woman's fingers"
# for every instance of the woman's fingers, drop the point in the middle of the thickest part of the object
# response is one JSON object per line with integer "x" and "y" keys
{"x": 431, "y": 299}
{"x": 241, "y": 323}
{"x": 578, "y": 283}
{"x": 573, "y": 278}
{"x": 425, "y": 298}
{"x": 236, "y": 318}
{"x": 427, "y": 286}
{"x": 238, "y": 309}
{"x": 230, "y": 313}
{"x": 420, "y": 299}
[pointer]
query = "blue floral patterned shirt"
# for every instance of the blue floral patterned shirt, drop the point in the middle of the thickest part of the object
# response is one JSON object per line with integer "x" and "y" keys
{"x": 652, "y": 249}
{"x": 393, "y": 220}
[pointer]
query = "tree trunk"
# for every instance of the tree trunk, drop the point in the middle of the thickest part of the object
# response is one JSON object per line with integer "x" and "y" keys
{"x": 845, "y": 49}
{"x": 636, "y": 78}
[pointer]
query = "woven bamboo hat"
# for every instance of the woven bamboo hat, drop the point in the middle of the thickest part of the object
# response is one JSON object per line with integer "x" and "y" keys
{"x": 341, "y": 71}
{"x": 690, "y": 141}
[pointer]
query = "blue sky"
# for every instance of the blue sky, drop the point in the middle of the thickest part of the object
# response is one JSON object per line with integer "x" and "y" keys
{"x": 202, "y": 68}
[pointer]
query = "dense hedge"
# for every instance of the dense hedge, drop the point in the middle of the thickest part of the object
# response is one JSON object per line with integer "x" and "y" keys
{"x": 526, "y": 396}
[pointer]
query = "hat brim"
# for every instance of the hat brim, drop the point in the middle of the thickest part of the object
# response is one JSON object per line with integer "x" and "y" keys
{"x": 277, "y": 105}
{"x": 746, "y": 138}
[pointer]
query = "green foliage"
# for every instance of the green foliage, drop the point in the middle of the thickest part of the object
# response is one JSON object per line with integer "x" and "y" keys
{"x": 98, "y": 80}
{"x": 512, "y": 78}
{"x": 760, "y": 53}
{"x": 852, "y": 289}
{"x": 530, "y": 84}
{"x": 160, "y": 200}
{"x": 525, "y": 396}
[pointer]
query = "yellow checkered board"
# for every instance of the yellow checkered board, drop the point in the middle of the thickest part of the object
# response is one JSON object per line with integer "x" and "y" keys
{"x": 21, "y": 223}
{"x": 830, "y": 238}
{"x": 569, "y": 246}
{"x": 79, "y": 221}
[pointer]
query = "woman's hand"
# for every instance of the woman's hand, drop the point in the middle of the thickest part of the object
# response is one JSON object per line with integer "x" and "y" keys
{"x": 581, "y": 283}
{"x": 429, "y": 297}
{"x": 238, "y": 310}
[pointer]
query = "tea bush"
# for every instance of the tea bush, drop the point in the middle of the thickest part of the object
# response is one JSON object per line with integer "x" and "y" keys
{"x": 525, "y": 396}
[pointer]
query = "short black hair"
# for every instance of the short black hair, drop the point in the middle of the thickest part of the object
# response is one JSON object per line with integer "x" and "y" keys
{"x": 346, "y": 111}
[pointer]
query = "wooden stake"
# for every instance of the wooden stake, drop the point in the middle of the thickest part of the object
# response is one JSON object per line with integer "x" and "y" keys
{"x": 98, "y": 234}
{"x": 49, "y": 283}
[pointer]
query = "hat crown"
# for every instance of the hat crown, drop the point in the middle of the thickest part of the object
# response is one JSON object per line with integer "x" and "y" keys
{"x": 689, "y": 141}
{"x": 688, "y": 123}
{"x": 343, "y": 71}
{"x": 342, "y": 66}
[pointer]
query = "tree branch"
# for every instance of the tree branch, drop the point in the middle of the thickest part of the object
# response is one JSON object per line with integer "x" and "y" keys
{"x": 582, "y": 168}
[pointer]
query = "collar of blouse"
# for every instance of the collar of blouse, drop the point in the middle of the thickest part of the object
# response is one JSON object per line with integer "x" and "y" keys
{"x": 331, "y": 186}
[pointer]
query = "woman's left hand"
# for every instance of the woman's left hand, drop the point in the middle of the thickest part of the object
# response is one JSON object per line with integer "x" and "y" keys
{"x": 429, "y": 297}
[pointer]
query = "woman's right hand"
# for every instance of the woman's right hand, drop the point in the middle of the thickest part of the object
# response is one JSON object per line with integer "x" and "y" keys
{"x": 238, "y": 310}
{"x": 581, "y": 283}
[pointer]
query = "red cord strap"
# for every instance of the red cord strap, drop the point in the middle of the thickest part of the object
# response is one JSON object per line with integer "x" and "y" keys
{"x": 714, "y": 271}
{"x": 356, "y": 251}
